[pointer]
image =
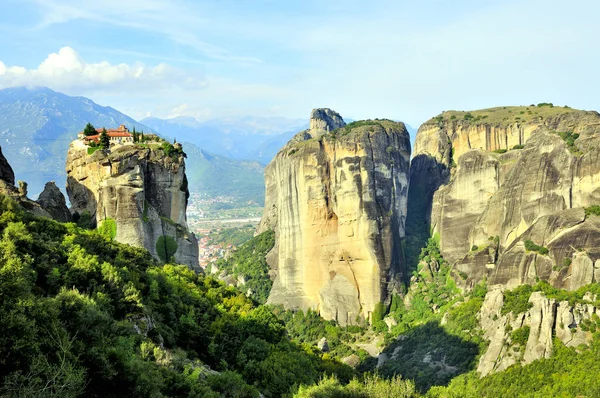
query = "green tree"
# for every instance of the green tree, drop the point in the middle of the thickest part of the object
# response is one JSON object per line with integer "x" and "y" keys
{"x": 89, "y": 130}
{"x": 104, "y": 139}
{"x": 166, "y": 247}
{"x": 135, "y": 135}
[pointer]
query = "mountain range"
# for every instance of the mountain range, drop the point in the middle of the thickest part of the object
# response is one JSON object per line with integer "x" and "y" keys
{"x": 248, "y": 138}
{"x": 37, "y": 125}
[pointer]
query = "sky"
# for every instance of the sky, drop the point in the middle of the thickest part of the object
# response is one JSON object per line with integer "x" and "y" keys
{"x": 402, "y": 60}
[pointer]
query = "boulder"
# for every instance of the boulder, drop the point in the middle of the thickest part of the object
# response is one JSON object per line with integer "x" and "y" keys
{"x": 53, "y": 201}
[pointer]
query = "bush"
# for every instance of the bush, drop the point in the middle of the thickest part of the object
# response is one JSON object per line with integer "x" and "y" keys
{"x": 500, "y": 151}
{"x": 166, "y": 247}
{"x": 518, "y": 147}
{"x": 92, "y": 149}
{"x": 517, "y": 300}
{"x": 592, "y": 210}
{"x": 378, "y": 313}
{"x": 108, "y": 228}
{"x": 520, "y": 335}
{"x": 569, "y": 138}
{"x": 532, "y": 247}
{"x": 474, "y": 248}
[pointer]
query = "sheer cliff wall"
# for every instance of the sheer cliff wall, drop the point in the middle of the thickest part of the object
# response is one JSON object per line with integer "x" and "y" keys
{"x": 336, "y": 197}
{"x": 141, "y": 192}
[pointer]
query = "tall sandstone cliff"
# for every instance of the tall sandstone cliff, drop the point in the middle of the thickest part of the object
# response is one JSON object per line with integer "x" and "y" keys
{"x": 336, "y": 197}
{"x": 488, "y": 181}
{"x": 140, "y": 192}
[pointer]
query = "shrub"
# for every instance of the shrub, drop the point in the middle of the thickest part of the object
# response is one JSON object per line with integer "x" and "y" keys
{"x": 468, "y": 116}
{"x": 520, "y": 335}
{"x": 569, "y": 138}
{"x": 517, "y": 300}
{"x": 500, "y": 150}
{"x": 84, "y": 220}
{"x": 548, "y": 104}
{"x": 532, "y": 247}
{"x": 166, "y": 247}
{"x": 474, "y": 248}
{"x": 592, "y": 210}
{"x": 108, "y": 228}
{"x": 378, "y": 313}
{"x": 518, "y": 146}
{"x": 92, "y": 149}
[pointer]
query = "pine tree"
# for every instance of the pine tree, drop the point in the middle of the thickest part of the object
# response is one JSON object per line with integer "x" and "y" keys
{"x": 104, "y": 139}
{"x": 89, "y": 130}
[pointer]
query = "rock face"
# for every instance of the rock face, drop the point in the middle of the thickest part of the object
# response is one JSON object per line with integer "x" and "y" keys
{"x": 545, "y": 319}
{"x": 140, "y": 192}
{"x": 323, "y": 120}
{"x": 8, "y": 188}
{"x": 6, "y": 172}
{"x": 53, "y": 201}
{"x": 337, "y": 203}
{"x": 487, "y": 181}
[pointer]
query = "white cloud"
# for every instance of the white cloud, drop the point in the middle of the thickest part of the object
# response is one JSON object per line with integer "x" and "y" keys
{"x": 67, "y": 71}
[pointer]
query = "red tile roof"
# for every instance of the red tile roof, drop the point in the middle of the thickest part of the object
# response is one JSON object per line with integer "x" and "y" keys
{"x": 121, "y": 131}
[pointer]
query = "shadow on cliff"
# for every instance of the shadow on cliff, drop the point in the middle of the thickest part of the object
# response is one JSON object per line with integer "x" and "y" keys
{"x": 427, "y": 354}
{"x": 426, "y": 176}
{"x": 83, "y": 204}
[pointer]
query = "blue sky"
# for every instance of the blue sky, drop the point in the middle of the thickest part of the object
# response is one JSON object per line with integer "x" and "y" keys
{"x": 406, "y": 60}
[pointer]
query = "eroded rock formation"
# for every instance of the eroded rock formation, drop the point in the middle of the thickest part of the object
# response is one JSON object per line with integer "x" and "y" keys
{"x": 545, "y": 320}
{"x": 53, "y": 201}
{"x": 6, "y": 172}
{"x": 490, "y": 180}
{"x": 140, "y": 192}
{"x": 18, "y": 194}
{"x": 336, "y": 197}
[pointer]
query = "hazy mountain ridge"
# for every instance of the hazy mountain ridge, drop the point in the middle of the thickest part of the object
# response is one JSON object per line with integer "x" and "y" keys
{"x": 37, "y": 125}
{"x": 216, "y": 175}
{"x": 248, "y": 138}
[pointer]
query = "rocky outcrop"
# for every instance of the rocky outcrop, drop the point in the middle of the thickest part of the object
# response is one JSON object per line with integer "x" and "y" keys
{"x": 323, "y": 120}
{"x": 18, "y": 194}
{"x": 140, "y": 192}
{"x": 53, "y": 201}
{"x": 6, "y": 172}
{"x": 336, "y": 197}
{"x": 526, "y": 337}
{"x": 492, "y": 179}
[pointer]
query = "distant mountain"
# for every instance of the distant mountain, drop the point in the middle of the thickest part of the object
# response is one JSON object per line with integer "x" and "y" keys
{"x": 216, "y": 175}
{"x": 249, "y": 138}
{"x": 37, "y": 125}
{"x": 413, "y": 134}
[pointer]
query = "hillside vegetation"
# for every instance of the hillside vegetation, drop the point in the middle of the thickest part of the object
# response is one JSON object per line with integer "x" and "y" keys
{"x": 83, "y": 315}
{"x": 504, "y": 114}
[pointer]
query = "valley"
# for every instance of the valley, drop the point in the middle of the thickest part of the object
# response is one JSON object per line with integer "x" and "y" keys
{"x": 466, "y": 266}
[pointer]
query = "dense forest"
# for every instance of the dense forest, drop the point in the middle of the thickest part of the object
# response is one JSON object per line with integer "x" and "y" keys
{"x": 83, "y": 315}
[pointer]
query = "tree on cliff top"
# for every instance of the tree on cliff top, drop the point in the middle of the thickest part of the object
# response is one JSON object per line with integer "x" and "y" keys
{"x": 104, "y": 139}
{"x": 89, "y": 130}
